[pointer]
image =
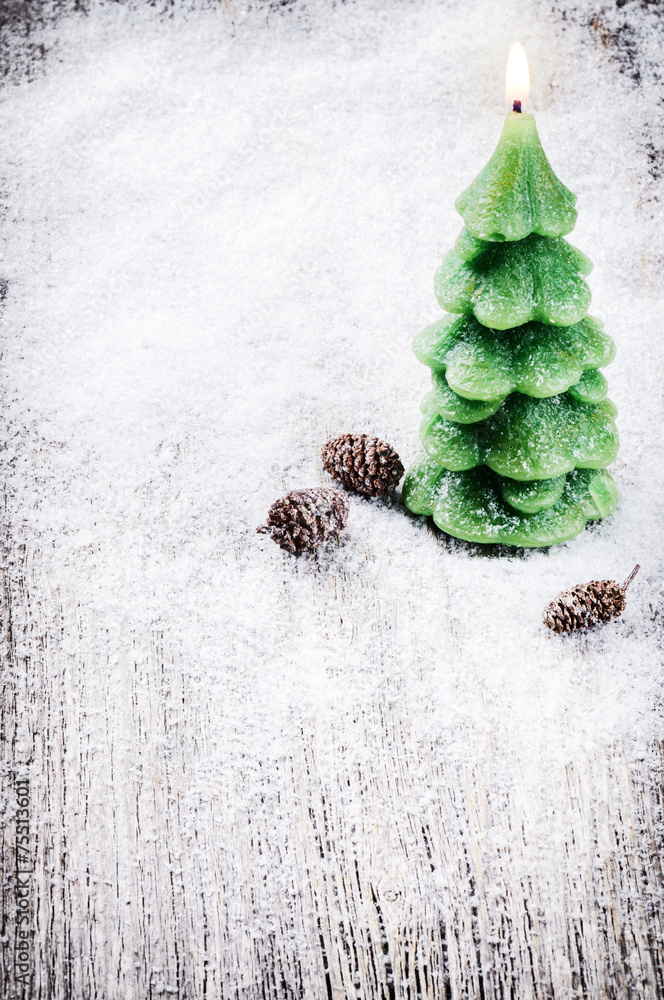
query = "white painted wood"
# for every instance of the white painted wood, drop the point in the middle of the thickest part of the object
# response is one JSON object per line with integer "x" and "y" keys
{"x": 369, "y": 774}
{"x": 362, "y": 860}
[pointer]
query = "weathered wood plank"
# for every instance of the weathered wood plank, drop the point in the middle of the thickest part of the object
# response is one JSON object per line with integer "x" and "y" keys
{"x": 364, "y": 859}
{"x": 363, "y": 775}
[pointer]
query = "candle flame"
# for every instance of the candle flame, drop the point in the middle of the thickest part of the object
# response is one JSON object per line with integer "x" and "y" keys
{"x": 517, "y": 78}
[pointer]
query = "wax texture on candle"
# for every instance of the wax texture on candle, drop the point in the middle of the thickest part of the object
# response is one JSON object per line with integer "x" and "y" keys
{"x": 517, "y": 193}
{"x": 538, "y": 360}
{"x": 469, "y": 505}
{"x": 506, "y": 284}
{"x": 527, "y": 438}
{"x": 517, "y": 427}
{"x": 592, "y": 387}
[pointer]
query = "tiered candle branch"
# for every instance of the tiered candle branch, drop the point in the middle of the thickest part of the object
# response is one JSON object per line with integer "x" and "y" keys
{"x": 517, "y": 429}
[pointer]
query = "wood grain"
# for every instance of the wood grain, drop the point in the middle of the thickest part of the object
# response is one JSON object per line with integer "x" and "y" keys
{"x": 364, "y": 862}
{"x": 200, "y": 837}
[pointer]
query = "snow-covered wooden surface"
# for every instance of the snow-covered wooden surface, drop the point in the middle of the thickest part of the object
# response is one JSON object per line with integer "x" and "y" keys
{"x": 370, "y": 773}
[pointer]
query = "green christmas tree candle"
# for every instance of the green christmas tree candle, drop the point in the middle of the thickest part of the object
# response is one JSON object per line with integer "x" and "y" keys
{"x": 517, "y": 429}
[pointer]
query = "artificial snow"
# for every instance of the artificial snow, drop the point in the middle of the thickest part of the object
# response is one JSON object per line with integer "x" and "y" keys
{"x": 219, "y": 241}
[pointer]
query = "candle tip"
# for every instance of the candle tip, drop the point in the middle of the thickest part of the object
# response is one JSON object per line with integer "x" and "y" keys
{"x": 517, "y": 106}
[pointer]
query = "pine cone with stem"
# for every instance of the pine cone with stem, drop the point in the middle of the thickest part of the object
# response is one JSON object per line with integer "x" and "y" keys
{"x": 366, "y": 464}
{"x": 588, "y": 605}
{"x": 303, "y": 519}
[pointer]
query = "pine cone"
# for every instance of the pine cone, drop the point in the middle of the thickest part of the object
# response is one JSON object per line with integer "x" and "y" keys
{"x": 366, "y": 464}
{"x": 302, "y": 519}
{"x": 587, "y": 605}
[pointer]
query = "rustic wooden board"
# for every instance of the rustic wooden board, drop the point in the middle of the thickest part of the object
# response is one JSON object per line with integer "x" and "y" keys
{"x": 363, "y": 861}
{"x": 209, "y": 822}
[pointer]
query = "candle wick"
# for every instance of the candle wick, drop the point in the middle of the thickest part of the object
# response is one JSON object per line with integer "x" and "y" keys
{"x": 517, "y": 106}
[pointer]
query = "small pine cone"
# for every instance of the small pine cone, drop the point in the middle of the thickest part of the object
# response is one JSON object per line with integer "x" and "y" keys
{"x": 588, "y": 605}
{"x": 365, "y": 464}
{"x": 302, "y": 519}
